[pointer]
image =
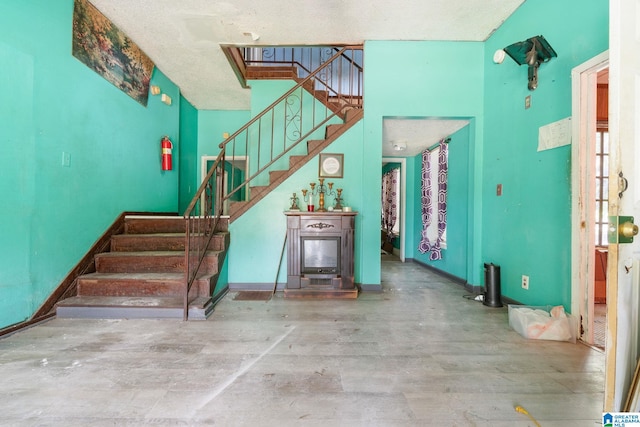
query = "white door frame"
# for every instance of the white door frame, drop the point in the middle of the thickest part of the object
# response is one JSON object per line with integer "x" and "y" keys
{"x": 584, "y": 84}
{"x": 403, "y": 200}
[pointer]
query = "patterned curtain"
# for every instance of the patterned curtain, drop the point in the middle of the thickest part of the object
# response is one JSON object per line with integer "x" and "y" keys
{"x": 427, "y": 201}
{"x": 424, "y": 245}
{"x": 389, "y": 202}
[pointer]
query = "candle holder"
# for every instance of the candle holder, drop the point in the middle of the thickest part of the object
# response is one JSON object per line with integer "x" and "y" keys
{"x": 338, "y": 201}
{"x": 294, "y": 203}
{"x": 321, "y": 191}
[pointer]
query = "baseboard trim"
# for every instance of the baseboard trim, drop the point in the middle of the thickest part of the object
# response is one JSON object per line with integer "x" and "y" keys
{"x": 474, "y": 289}
{"x": 235, "y": 287}
{"x": 370, "y": 287}
{"x": 443, "y": 273}
{"x": 264, "y": 286}
{"x": 218, "y": 297}
{"x": 26, "y": 324}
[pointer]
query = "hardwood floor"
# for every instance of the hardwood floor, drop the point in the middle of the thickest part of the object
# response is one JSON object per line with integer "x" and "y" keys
{"x": 416, "y": 354}
{"x": 600, "y": 325}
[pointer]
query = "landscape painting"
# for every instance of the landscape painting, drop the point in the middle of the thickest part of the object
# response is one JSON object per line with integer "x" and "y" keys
{"x": 99, "y": 44}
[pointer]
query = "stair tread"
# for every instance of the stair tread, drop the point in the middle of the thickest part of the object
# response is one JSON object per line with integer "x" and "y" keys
{"x": 140, "y": 276}
{"x": 176, "y": 234}
{"x": 150, "y": 253}
{"x": 137, "y": 235}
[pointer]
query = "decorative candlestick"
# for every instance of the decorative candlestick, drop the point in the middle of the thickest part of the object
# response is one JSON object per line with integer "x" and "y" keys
{"x": 321, "y": 191}
{"x": 294, "y": 203}
{"x": 338, "y": 205}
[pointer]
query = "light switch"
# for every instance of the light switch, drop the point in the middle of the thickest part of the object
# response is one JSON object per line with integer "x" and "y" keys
{"x": 66, "y": 159}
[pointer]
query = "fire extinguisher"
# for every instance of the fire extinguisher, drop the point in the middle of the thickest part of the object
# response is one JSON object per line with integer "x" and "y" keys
{"x": 166, "y": 145}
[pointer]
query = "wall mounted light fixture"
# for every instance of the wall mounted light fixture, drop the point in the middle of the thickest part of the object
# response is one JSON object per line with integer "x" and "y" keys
{"x": 532, "y": 52}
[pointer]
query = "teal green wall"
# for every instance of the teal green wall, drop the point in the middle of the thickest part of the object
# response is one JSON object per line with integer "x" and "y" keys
{"x": 527, "y": 230}
{"x": 189, "y": 161}
{"x": 441, "y": 80}
{"x": 454, "y": 257}
{"x": 389, "y": 166}
{"x": 52, "y": 103}
{"x": 412, "y": 205}
{"x": 212, "y": 124}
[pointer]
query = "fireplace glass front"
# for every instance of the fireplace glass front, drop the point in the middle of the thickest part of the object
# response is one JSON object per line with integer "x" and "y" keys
{"x": 320, "y": 256}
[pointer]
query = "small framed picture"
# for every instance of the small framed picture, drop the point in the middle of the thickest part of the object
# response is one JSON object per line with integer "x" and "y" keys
{"x": 331, "y": 165}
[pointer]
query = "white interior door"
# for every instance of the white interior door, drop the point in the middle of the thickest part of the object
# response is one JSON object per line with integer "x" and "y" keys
{"x": 624, "y": 133}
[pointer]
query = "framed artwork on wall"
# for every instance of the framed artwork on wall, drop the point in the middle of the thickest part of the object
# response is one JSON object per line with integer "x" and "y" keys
{"x": 101, "y": 46}
{"x": 331, "y": 165}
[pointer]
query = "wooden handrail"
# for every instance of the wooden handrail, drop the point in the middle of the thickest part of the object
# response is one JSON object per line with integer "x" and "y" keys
{"x": 278, "y": 119}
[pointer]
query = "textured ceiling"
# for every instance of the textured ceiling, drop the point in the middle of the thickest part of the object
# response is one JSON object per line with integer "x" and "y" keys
{"x": 416, "y": 133}
{"x": 183, "y": 37}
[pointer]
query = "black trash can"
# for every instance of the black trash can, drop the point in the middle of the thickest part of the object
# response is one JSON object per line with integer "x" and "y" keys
{"x": 492, "y": 286}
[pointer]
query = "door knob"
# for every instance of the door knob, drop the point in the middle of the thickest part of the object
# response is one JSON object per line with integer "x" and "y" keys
{"x": 627, "y": 229}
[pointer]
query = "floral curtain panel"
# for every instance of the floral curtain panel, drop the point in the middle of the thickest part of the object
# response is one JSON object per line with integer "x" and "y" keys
{"x": 426, "y": 246}
{"x": 389, "y": 202}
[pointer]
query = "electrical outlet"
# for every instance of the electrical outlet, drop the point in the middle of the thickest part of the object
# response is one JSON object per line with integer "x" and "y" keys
{"x": 525, "y": 282}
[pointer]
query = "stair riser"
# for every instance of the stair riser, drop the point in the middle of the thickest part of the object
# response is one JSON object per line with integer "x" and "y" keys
{"x": 163, "y": 225}
{"x": 143, "y": 288}
{"x": 312, "y": 145}
{"x": 135, "y": 243}
{"x": 150, "y": 264}
{"x": 133, "y": 287}
{"x": 153, "y": 225}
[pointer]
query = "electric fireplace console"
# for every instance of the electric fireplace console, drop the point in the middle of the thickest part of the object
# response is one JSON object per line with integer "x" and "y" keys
{"x": 320, "y": 254}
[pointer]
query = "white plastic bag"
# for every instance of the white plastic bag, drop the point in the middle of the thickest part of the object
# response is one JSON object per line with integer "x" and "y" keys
{"x": 540, "y": 323}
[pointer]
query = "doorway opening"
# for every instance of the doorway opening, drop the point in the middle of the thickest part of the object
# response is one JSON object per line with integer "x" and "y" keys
{"x": 400, "y": 225}
{"x": 590, "y": 159}
{"x": 234, "y": 172}
{"x": 601, "y": 213}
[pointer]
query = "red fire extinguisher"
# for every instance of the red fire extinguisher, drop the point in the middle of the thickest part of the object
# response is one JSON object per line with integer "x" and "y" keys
{"x": 166, "y": 153}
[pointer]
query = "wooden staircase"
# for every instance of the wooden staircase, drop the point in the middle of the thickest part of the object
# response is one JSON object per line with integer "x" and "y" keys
{"x": 142, "y": 275}
{"x": 314, "y": 147}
